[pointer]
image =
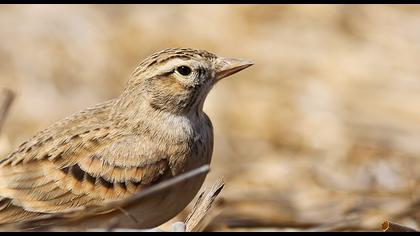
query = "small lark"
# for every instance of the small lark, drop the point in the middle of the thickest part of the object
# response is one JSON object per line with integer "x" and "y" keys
{"x": 154, "y": 130}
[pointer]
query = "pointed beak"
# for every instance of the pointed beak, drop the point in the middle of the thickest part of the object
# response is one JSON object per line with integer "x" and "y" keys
{"x": 229, "y": 66}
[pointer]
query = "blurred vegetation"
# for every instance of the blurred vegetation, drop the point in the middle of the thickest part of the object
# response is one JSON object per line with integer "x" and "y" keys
{"x": 323, "y": 131}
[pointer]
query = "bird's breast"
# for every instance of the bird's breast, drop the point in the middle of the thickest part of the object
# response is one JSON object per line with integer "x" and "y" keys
{"x": 190, "y": 144}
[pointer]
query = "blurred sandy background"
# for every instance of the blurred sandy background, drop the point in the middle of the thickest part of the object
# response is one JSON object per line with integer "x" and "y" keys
{"x": 323, "y": 132}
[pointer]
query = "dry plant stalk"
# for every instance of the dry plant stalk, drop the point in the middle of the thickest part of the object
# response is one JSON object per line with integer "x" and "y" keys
{"x": 388, "y": 226}
{"x": 194, "y": 221}
{"x": 6, "y": 100}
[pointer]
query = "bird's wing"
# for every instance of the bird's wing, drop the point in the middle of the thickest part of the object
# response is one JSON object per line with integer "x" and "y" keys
{"x": 87, "y": 166}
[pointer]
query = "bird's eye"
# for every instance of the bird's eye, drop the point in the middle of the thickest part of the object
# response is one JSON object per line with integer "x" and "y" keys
{"x": 184, "y": 70}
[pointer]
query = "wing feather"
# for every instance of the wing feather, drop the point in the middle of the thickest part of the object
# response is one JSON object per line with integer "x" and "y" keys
{"x": 77, "y": 162}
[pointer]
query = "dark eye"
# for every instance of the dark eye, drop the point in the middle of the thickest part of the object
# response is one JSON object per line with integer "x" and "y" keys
{"x": 184, "y": 70}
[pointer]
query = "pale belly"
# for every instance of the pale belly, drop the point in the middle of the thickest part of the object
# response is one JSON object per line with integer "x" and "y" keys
{"x": 163, "y": 207}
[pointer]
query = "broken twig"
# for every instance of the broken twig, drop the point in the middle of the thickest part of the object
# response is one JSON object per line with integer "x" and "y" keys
{"x": 194, "y": 221}
{"x": 6, "y": 99}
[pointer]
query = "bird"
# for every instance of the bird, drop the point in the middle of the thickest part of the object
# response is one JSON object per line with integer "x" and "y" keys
{"x": 154, "y": 130}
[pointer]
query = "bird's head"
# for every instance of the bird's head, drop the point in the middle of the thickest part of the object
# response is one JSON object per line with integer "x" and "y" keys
{"x": 177, "y": 80}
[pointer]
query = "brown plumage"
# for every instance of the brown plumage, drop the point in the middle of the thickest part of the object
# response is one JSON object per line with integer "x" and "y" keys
{"x": 155, "y": 130}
